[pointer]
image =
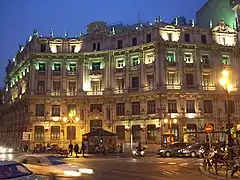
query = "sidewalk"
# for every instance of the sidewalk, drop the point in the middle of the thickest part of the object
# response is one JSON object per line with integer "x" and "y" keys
{"x": 221, "y": 174}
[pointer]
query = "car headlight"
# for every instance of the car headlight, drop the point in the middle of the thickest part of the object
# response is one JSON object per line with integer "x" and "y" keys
{"x": 72, "y": 173}
{"x": 10, "y": 150}
{"x": 161, "y": 150}
{"x": 85, "y": 171}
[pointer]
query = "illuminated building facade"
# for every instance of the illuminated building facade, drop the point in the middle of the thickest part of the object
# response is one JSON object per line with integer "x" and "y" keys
{"x": 151, "y": 81}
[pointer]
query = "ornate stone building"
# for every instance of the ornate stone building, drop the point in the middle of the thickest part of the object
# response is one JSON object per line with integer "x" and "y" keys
{"x": 148, "y": 82}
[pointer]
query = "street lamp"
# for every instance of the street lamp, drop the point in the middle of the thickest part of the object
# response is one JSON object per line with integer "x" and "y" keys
{"x": 228, "y": 87}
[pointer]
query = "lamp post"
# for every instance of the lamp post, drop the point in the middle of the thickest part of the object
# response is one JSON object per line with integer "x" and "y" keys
{"x": 228, "y": 87}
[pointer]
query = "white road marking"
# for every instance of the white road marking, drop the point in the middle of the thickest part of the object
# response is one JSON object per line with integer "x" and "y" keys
{"x": 172, "y": 163}
{"x": 160, "y": 162}
{"x": 184, "y": 164}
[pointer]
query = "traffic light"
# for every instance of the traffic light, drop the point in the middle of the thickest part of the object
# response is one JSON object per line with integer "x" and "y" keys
{"x": 101, "y": 140}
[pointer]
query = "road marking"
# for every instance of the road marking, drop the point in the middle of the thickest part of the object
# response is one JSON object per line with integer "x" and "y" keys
{"x": 184, "y": 164}
{"x": 172, "y": 163}
{"x": 160, "y": 162}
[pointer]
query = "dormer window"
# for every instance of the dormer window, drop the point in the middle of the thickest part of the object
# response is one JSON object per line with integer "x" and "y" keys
{"x": 188, "y": 58}
{"x": 120, "y": 63}
{"x": 169, "y": 36}
{"x": 205, "y": 59}
{"x": 134, "y": 41}
{"x": 135, "y": 61}
{"x": 225, "y": 60}
{"x": 43, "y": 48}
{"x": 187, "y": 37}
{"x": 73, "y": 49}
{"x": 96, "y": 65}
{"x": 204, "y": 38}
{"x": 58, "y": 47}
{"x": 149, "y": 59}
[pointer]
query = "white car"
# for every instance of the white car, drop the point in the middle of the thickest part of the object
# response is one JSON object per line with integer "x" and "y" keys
{"x": 49, "y": 165}
{"x": 16, "y": 171}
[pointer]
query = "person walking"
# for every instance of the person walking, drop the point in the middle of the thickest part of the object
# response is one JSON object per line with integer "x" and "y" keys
{"x": 83, "y": 148}
{"x": 70, "y": 148}
{"x": 76, "y": 149}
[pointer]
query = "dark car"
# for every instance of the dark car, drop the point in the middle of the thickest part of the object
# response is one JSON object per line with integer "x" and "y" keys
{"x": 193, "y": 150}
{"x": 171, "y": 149}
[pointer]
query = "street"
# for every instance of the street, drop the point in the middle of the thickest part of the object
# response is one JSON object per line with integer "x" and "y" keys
{"x": 141, "y": 168}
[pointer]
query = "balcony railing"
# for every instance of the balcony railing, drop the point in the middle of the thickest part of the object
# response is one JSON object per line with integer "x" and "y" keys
{"x": 71, "y": 93}
{"x": 132, "y": 90}
{"x": 209, "y": 88}
{"x": 119, "y": 91}
{"x": 55, "y": 93}
{"x": 96, "y": 72}
{"x": 189, "y": 65}
{"x": 39, "y": 93}
{"x": 119, "y": 70}
{"x": 56, "y": 73}
{"x": 94, "y": 93}
{"x": 134, "y": 68}
{"x": 171, "y": 64}
{"x": 206, "y": 65}
{"x": 71, "y": 73}
{"x": 150, "y": 65}
{"x": 170, "y": 86}
{"x": 41, "y": 73}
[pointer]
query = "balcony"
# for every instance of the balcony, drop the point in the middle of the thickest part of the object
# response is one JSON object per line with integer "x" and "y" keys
{"x": 133, "y": 90}
{"x": 94, "y": 93}
{"x": 71, "y": 73}
{"x": 55, "y": 93}
{"x": 56, "y": 73}
{"x": 135, "y": 68}
{"x": 96, "y": 72}
{"x": 120, "y": 70}
{"x": 119, "y": 91}
{"x": 208, "y": 88}
{"x": 149, "y": 66}
{"x": 174, "y": 87}
{"x": 206, "y": 66}
{"x": 40, "y": 93}
{"x": 71, "y": 93}
{"x": 171, "y": 63}
{"x": 189, "y": 65}
{"x": 41, "y": 73}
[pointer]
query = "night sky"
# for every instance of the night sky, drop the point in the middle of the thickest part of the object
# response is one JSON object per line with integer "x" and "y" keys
{"x": 18, "y": 18}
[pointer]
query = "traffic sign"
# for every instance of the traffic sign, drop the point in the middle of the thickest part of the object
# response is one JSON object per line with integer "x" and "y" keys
{"x": 208, "y": 128}
{"x": 26, "y": 136}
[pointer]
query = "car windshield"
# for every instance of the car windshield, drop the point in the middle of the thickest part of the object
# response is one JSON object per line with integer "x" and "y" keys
{"x": 13, "y": 171}
{"x": 194, "y": 146}
{"x": 56, "y": 160}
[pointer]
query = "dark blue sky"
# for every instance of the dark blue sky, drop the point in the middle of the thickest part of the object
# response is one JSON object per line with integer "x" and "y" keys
{"x": 18, "y": 18}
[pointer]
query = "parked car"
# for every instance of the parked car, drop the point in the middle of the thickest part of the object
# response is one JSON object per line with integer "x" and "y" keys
{"x": 16, "y": 171}
{"x": 52, "y": 166}
{"x": 193, "y": 150}
{"x": 171, "y": 149}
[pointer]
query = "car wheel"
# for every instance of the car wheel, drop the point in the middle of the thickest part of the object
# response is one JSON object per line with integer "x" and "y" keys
{"x": 193, "y": 154}
{"x": 167, "y": 154}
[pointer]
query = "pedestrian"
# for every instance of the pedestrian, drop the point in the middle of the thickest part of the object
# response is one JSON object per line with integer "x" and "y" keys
{"x": 76, "y": 149}
{"x": 83, "y": 148}
{"x": 70, "y": 148}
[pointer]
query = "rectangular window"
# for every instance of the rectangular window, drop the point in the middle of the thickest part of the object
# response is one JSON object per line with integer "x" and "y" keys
{"x": 72, "y": 86}
{"x": 120, "y": 63}
{"x": 41, "y": 85}
{"x": 43, "y": 47}
{"x": 149, "y": 59}
{"x": 206, "y": 80}
{"x": 58, "y": 47}
{"x": 225, "y": 60}
{"x": 55, "y": 132}
{"x": 72, "y": 67}
{"x": 231, "y": 106}
{"x": 172, "y": 106}
{"x": 39, "y": 110}
{"x": 56, "y": 110}
{"x": 42, "y": 67}
{"x": 151, "y": 107}
{"x": 96, "y": 65}
{"x": 187, "y": 37}
{"x": 94, "y": 47}
{"x": 136, "y": 131}
{"x": 189, "y": 79}
{"x": 135, "y": 61}
{"x": 135, "y": 82}
{"x": 205, "y": 59}
{"x": 171, "y": 57}
{"x": 73, "y": 49}
{"x": 95, "y": 86}
{"x": 71, "y": 108}
{"x": 56, "y": 86}
{"x": 134, "y": 41}
{"x": 204, "y": 38}
{"x": 190, "y": 105}
{"x": 119, "y": 44}
{"x": 120, "y": 84}
{"x": 208, "y": 106}
{"x": 171, "y": 78}
{"x": 151, "y": 132}
{"x": 57, "y": 67}
{"x": 135, "y": 108}
{"x": 150, "y": 79}
{"x": 188, "y": 58}
{"x": 169, "y": 36}
{"x": 98, "y": 47}
{"x": 95, "y": 107}
{"x": 120, "y": 109}
{"x": 71, "y": 132}
{"x": 149, "y": 38}
{"x": 39, "y": 132}
{"x": 120, "y": 131}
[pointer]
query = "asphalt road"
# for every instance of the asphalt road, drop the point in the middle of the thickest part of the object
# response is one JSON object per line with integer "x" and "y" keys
{"x": 146, "y": 168}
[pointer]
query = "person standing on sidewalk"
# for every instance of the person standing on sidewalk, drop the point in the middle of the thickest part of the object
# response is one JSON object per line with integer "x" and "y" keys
{"x": 70, "y": 148}
{"x": 76, "y": 149}
{"x": 83, "y": 148}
